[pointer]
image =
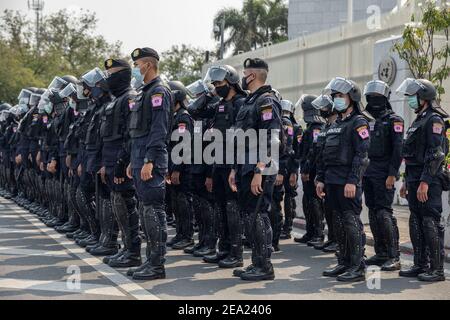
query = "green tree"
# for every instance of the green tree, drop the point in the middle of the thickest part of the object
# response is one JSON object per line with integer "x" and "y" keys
{"x": 183, "y": 63}
{"x": 258, "y": 22}
{"x": 68, "y": 45}
{"x": 419, "y": 47}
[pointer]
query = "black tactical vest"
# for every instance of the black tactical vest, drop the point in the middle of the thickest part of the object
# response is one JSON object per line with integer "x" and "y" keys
{"x": 338, "y": 148}
{"x": 381, "y": 138}
{"x": 414, "y": 146}
{"x": 92, "y": 135}
{"x": 141, "y": 115}
{"x": 113, "y": 121}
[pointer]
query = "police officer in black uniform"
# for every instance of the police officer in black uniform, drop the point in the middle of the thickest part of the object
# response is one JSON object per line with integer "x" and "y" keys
{"x": 255, "y": 183}
{"x": 203, "y": 198}
{"x": 312, "y": 205}
{"x": 424, "y": 152}
{"x": 291, "y": 184}
{"x": 79, "y": 103}
{"x": 100, "y": 94}
{"x": 226, "y": 82}
{"x": 283, "y": 189}
{"x": 149, "y": 130}
{"x": 379, "y": 180}
{"x": 115, "y": 157}
{"x": 324, "y": 104}
{"x": 180, "y": 167}
{"x": 345, "y": 158}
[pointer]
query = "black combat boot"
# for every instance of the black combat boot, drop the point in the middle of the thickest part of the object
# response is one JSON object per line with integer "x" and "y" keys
{"x": 419, "y": 246}
{"x": 354, "y": 234}
{"x": 216, "y": 257}
{"x": 234, "y": 259}
{"x": 342, "y": 266}
{"x": 434, "y": 238}
{"x": 262, "y": 272}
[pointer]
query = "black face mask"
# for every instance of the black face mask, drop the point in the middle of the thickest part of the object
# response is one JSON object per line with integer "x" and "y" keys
{"x": 326, "y": 113}
{"x": 223, "y": 91}
{"x": 119, "y": 81}
{"x": 244, "y": 82}
{"x": 376, "y": 105}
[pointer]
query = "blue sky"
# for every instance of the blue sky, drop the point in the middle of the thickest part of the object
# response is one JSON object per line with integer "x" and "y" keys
{"x": 137, "y": 23}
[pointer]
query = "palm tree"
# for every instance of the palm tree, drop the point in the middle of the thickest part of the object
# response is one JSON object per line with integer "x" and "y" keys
{"x": 258, "y": 22}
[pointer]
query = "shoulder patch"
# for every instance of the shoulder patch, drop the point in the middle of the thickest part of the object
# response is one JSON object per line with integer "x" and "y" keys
{"x": 363, "y": 132}
{"x": 290, "y": 130}
{"x": 438, "y": 128}
{"x": 299, "y": 137}
{"x": 398, "y": 127}
{"x": 316, "y": 133}
{"x": 157, "y": 100}
{"x": 131, "y": 104}
{"x": 221, "y": 108}
{"x": 266, "y": 112}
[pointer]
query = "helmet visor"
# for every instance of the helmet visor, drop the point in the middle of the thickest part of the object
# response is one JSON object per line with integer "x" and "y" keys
{"x": 338, "y": 85}
{"x": 197, "y": 88}
{"x": 34, "y": 99}
{"x": 410, "y": 87}
{"x": 215, "y": 74}
{"x": 57, "y": 83}
{"x": 93, "y": 77}
{"x": 322, "y": 101}
{"x": 24, "y": 96}
{"x": 377, "y": 87}
{"x": 287, "y": 106}
{"x": 69, "y": 90}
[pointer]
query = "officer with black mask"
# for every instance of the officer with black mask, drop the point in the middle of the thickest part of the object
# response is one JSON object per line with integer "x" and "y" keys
{"x": 345, "y": 159}
{"x": 291, "y": 182}
{"x": 180, "y": 167}
{"x": 85, "y": 194}
{"x": 63, "y": 119}
{"x": 379, "y": 180}
{"x": 150, "y": 123}
{"x": 255, "y": 183}
{"x": 115, "y": 156}
{"x": 283, "y": 188}
{"x": 77, "y": 105}
{"x": 107, "y": 243}
{"x": 203, "y": 95}
{"x": 312, "y": 205}
{"x": 226, "y": 82}
{"x": 324, "y": 104}
{"x": 7, "y": 118}
{"x": 424, "y": 152}
{"x": 32, "y": 129}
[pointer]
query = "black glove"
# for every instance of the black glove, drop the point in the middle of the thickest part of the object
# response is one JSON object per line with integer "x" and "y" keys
{"x": 120, "y": 169}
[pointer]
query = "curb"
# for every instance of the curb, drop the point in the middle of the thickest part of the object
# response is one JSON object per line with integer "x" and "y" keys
{"x": 405, "y": 248}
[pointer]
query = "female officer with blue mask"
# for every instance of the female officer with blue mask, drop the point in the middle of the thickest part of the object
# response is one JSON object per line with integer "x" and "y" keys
{"x": 424, "y": 152}
{"x": 345, "y": 158}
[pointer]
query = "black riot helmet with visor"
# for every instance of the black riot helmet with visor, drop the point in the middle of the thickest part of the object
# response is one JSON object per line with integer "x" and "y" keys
{"x": 310, "y": 114}
{"x": 424, "y": 90}
{"x": 198, "y": 88}
{"x": 179, "y": 93}
{"x": 344, "y": 86}
{"x": 324, "y": 104}
{"x": 377, "y": 95}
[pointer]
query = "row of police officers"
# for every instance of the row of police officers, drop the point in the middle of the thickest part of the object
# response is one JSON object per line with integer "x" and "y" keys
{"x": 115, "y": 153}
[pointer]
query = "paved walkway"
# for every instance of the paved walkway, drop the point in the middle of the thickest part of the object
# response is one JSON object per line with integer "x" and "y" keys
{"x": 38, "y": 263}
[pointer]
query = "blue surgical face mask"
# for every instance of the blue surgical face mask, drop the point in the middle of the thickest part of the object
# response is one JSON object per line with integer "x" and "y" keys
{"x": 48, "y": 108}
{"x": 136, "y": 74}
{"x": 340, "y": 104}
{"x": 72, "y": 104}
{"x": 413, "y": 103}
